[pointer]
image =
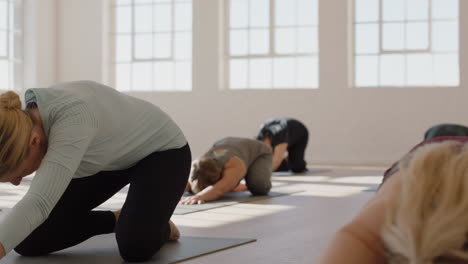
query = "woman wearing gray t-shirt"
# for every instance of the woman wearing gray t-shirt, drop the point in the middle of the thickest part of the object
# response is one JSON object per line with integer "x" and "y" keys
{"x": 86, "y": 141}
{"x": 228, "y": 161}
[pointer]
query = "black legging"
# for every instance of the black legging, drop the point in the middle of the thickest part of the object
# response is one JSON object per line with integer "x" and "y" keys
{"x": 156, "y": 184}
{"x": 298, "y": 138}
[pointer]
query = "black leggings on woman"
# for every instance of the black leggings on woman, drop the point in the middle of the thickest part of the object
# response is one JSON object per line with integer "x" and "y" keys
{"x": 156, "y": 184}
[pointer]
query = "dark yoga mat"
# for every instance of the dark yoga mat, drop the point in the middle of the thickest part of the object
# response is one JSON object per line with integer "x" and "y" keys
{"x": 103, "y": 250}
{"x": 309, "y": 172}
{"x": 227, "y": 200}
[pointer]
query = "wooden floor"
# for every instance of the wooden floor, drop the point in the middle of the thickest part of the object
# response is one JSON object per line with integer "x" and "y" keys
{"x": 289, "y": 229}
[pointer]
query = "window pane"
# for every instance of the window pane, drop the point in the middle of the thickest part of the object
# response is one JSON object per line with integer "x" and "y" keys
{"x": 238, "y": 42}
{"x": 259, "y": 40}
{"x": 238, "y": 74}
{"x": 143, "y": 46}
{"x": 445, "y": 36}
{"x": 367, "y": 38}
{"x": 393, "y": 10}
{"x": 17, "y": 10}
{"x": 183, "y": 16}
{"x": 260, "y": 73}
{"x": 392, "y": 70}
{"x": 143, "y": 19}
{"x": 4, "y": 75}
{"x": 142, "y": 73}
{"x": 3, "y": 43}
{"x": 3, "y": 15}
{"x": 123, "y": 77}
{"x": 123, "y": 48}
{"x": 123, "y": 2}
{"x": 183, "y": 46}
{"x": 284, "y": 73}
{"x": 307, "y": 72}
{"x": 184, "y": 76}
{"x": 308, "y": 40}
{"x": 285, "y": 12}
{"x": 366, "y": 10}
{"x": 417, "y": 36}
{"x": 443, "y": 9}
{"x": 162, "y": 17}
{"x": 419, "y": 67}
{"x": 238, "y": 15}
{"x": 393, "y": 37}
{"x": 162, "y": 46}
{"x": 417, "y": 9}
{"x": 160, "y": 1}
{"x": 259, "y": 13}
{"x": 307, "y": 12}
{"x": 446, "y": 70}
{"x": 124, "y": 19}
{"x": 163, "y": 75}
{"x": 285, "y": 40}
{"x": 367, "y": 71}
{"x": 143, "y": 1}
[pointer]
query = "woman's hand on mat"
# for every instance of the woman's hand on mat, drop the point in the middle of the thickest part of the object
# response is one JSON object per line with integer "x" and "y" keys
{"x": 195, "y": 199}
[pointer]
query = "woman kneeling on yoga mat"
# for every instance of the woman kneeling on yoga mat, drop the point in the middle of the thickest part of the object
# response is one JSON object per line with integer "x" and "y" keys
{"x": 87, "y": 141}
{"x": 418, "y": 216}
{"x": 286, "y": 136}
{"x": 222, "y": 168}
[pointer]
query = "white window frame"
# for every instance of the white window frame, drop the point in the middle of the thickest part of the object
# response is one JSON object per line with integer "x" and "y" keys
{"x": 272, "y": 48}
{"x": 132, "y": 34}
{"x": 14, "y": 44}
{"x": 382, "y": 51}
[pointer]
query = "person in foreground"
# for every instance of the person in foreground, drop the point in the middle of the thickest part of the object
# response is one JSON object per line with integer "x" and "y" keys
{"x": 418, "y": 216}
{"x": 288, "y": 138}
{"x": 86, "y": 141}
{"x": 221, "y": 169}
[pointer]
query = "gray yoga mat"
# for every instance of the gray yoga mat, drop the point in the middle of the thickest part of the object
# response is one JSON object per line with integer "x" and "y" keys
{"x": 309, "y": 172}
{"x": 103, "y": 249}
{"x": 228, "y": 199}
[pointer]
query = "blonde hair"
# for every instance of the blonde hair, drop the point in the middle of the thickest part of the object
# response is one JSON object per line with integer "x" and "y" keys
{"x": 205, "y": 172}
{"x": 428, "y": 221}
{"x": 15, "y": 130}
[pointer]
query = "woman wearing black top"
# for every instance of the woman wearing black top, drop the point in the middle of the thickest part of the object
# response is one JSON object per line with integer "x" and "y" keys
{"x": 286, "y": 135}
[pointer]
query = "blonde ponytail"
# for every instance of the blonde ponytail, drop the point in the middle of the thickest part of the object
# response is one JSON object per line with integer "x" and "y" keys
{"x": 15, "y": 130}
{"x": 428, "y": 223}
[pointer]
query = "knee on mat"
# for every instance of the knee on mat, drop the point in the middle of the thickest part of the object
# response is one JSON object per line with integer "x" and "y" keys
{"x": 137, "y": 253}
{"x": 260, "y": 190}
{"x": 298, "y": 168}
{"x": 30, "y": 251}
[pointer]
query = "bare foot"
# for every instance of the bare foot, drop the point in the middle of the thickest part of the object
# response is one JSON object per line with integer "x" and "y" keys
{"x": 175, "y": 234}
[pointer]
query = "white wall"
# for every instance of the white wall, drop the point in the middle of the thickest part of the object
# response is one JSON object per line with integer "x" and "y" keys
{"x": 350, "y": 126}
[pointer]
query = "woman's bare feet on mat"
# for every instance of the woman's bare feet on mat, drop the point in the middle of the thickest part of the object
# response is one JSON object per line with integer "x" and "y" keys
{"x": 175, "y": 234}
{"x": 240, "y": 188}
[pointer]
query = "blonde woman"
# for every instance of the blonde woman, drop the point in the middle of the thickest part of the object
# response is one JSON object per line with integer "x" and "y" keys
{"x": 221, "y": 169}
{"x": 86, "y": 141}
{"x": 419, "y": 215}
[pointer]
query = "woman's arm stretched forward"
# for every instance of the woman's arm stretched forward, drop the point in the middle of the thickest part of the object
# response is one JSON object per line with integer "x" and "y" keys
{"x": 234, "y": 170}
{"x": 359, "y": 241}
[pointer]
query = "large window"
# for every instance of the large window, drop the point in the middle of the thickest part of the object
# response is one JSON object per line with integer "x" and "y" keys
{"x": 406, "y": 43}
{"x": 10, "y": 45}
{"x": 152, "y": 45}
{"x": 272, "y": 44}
